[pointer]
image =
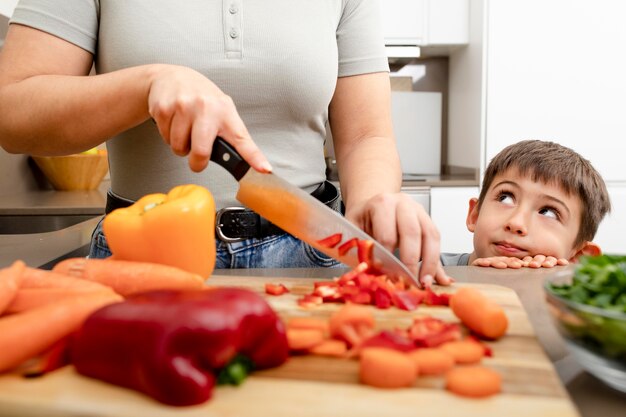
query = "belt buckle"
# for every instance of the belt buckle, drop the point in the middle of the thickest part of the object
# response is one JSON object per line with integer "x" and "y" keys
{"x": 218, "y": 225}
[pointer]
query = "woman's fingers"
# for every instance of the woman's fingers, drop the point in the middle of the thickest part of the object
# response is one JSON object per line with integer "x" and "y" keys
{"x": 190, "y": 111}
{"x": 397, "y": 221}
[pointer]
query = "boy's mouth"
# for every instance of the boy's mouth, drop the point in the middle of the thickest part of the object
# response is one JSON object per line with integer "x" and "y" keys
{"x": 508, "y": 249}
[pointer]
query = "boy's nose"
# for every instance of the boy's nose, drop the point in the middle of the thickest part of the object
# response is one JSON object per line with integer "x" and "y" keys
{"x": 517, "y": 225}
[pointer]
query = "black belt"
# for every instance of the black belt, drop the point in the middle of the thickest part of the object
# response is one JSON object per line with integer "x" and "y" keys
{"x": 233, "y": 224}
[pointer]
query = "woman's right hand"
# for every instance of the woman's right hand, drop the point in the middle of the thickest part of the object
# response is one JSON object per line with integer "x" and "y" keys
{"x": 190, "y": 111}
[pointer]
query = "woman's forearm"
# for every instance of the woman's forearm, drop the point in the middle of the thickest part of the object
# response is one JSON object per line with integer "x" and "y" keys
{"x": 60, "y": 114}
{"x": 369, "y": 168}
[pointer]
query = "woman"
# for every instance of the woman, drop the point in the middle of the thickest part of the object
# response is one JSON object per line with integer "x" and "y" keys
{"x": 171, "y": 76}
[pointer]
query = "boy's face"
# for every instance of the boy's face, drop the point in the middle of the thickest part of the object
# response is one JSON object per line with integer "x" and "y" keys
{"x": 520, "y": 217}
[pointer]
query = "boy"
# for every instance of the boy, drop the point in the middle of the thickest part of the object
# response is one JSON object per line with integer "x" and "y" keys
{"x": 540, "y": 205}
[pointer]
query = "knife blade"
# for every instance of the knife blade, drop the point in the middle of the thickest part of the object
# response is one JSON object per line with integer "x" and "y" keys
{"x": 300, "y": 214}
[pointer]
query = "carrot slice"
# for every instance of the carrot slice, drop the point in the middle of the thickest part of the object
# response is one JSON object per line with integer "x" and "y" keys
{"x": 473, "y": 381}
{"x": 35, "y": 278}
{"x": 10, "y": 278}
{"x": 28, "y": 334}
{"x": 330, "y": 347}
{"x": 352, "y": 323}
{"x": 308, "y": 323}
{"x": 29, "y": 298}
{"x": 464, "y": 351}
{"x": 386, "y": 368}
{"x": 432, "y": 361}
{"x": 478, "y": 313}
{"x": 129, "y": 277}
{"x": 301, "y": 339}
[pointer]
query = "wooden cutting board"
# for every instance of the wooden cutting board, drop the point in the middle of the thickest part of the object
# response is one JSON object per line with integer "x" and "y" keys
{"x": 318, "y": 386}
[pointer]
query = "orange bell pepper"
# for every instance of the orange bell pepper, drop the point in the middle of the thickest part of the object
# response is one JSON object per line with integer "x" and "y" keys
{"x": 176, "y": 229}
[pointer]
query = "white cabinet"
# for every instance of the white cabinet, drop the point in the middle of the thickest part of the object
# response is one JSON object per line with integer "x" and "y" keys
{"x": 425, "y": 22}
{"x": 448, "y": 209}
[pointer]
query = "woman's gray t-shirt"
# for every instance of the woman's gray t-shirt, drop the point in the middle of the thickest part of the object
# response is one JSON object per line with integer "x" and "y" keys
{"x": 278, "y": 59}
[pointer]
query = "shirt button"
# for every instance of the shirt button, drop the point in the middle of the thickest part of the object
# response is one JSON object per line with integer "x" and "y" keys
{"x": 233, "y": 33}
{"x": 233, "y": 9}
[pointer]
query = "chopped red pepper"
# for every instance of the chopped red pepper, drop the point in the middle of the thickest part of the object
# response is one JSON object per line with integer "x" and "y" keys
{"x": 171, "y": 345}
{"x": 365, "y": 251}
{"x": 346, "y": 246}
{"x": 408, "y": 299}
{"x": 275, "y": 289}
{"x": 331, "y": 241}
{"x": 434, "y": 299}
{"x": 310, "y": 300}
{"x": 430, "y": 331}
{"x": 391, "y": 340}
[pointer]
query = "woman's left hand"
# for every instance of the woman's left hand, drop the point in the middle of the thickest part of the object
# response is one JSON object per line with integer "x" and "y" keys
{"x": 397, "y": 221}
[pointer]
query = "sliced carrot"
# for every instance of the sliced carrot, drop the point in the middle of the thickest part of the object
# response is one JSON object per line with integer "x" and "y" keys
{"x": 302, "y": 339}
{"x": 308, "y": 323}
{"x": 352, "y": 323}
{"x": 432, "y": 361}
{"x": 478, "y": 313}
{"x": 330, "y": 347}
{"x": 129, "y": 277}
{"x": 28, "y": 334}
{"x": 10, "y": 278}
{"x": 29, "y": 298}
{"x": 386, "y": 368}
{"x": 34, "y": 278}
{"x": 473, "y": 381}
{"x": 464, "y": 351}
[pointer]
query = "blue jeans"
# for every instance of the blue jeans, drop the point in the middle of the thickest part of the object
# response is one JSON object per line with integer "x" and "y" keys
{"x": 278, "y": 251}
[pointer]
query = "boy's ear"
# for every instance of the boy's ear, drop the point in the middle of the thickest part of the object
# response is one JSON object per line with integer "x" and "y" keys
{"x": 472, "y": 214}
{"x": 588, "y": 248}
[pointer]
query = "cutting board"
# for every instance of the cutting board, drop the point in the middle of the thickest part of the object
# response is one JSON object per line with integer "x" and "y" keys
{"x": 318, "y": 386}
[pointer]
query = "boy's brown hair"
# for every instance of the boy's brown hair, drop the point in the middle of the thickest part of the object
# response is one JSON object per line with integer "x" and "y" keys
{"x": 552, "y": 163}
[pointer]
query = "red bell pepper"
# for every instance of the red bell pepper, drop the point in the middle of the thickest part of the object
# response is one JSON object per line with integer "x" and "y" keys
{"x": 172, "y": 345}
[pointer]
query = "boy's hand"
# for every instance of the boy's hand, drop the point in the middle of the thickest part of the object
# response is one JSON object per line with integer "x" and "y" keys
{"x": 537, "y": 261}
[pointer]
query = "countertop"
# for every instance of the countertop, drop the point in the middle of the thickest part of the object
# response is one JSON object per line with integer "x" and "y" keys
{"x": 592, "y": 397}
{"x": 44, "y": 202}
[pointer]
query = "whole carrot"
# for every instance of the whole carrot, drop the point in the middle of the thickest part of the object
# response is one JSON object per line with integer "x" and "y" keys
{"x": 28, "y": 334}
{"x": 129, "y": 277}
{"x": 29, "y": 298}
{"x": 478, "y": 313}
{"x": 35, "y": 278}
{"x": 10, "y": 278}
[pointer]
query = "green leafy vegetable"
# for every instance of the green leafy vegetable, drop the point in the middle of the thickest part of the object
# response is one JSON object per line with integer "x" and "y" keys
{"x": 599, "y": 282}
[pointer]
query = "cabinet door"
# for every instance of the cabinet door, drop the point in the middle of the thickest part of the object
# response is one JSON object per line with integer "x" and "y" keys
{"x": 611, "y": 234}
{"x": 403, "y": 21}
{"x": 448, "y": 209}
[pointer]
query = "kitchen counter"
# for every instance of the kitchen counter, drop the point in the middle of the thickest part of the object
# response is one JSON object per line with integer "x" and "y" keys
{"x": 44, "y": 202}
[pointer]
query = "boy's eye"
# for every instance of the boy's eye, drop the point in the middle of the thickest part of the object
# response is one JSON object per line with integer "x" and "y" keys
{"x": 550, "y": 212}
{"x": 505, "y": 197}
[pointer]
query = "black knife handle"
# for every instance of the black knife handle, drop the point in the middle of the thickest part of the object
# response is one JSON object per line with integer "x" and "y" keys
{"x": 225, "y": 155}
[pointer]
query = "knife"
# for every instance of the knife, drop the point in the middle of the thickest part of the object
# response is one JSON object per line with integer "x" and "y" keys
{"x": 300, "y": 214}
